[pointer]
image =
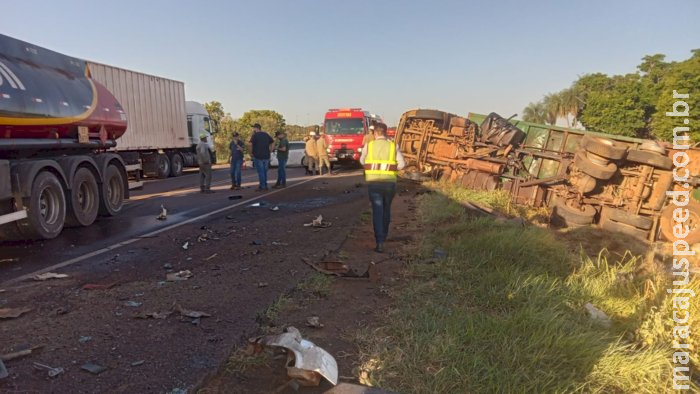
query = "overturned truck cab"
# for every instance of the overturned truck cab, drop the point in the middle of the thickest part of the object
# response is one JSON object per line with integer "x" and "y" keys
{"x": 618, "y": 183}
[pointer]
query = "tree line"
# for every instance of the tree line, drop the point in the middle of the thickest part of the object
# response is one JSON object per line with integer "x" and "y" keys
{"x": 633, "y": 104}
{"x": 271, "y": 122}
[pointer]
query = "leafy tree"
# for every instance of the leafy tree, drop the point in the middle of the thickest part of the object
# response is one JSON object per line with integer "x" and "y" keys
{"x": 216, "y": 111}
{"x": 535, "y": 113}
{"x": 619, "y": 110}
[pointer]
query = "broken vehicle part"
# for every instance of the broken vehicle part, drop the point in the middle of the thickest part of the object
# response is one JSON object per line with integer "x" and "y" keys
{"x": 309, "y": 359}
{"x": 49, "y": 275}
{"x": 53, "y": 372}
{"x": 178, "y": 276}
{"x": 93, "y": 368}
{"x": 11, "y": 313}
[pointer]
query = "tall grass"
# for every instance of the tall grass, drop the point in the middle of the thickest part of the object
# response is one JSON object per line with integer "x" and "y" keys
{"x": 505, "y": 313}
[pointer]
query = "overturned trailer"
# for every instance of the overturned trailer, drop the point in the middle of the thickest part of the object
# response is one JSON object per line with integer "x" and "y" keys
{"x": 618, "y": 183}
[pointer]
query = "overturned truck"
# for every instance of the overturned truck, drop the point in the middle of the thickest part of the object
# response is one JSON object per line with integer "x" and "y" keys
{"x": 618, "y": 183}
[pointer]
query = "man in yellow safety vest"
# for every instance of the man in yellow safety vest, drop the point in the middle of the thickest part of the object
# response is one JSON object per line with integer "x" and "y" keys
{"x": 381, "y": 160}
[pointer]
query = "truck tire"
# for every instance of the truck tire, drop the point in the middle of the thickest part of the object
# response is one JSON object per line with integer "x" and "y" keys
{"x": 112, "y": 193}
{"x": 571, "y": 216}
{"x": 617, "y": 227}
{"x": 597, "y": 171}
{"x": 650, "y": 158}
{"x": 693, "y": 222}
{"x": 176, "y": 165}
{"x": 430, "y": 114}
{"x": 624, "y": 217}
{"x": 603, "y": 147}
{"x": 84, "y": 199}
{"x": 46, "y": 208}
{"x": 162, "y": 166}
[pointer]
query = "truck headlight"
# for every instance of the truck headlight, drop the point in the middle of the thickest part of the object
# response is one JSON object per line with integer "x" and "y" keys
{"x": 359, "y": 150}
{"x": 328, "y": 150}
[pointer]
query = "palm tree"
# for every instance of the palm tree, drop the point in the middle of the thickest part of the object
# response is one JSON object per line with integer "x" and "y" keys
{"x": 552, "y": 105}
{"x": 535, "y": 113}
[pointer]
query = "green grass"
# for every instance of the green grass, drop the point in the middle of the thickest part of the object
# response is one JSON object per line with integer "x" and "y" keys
{"x": 505, "y": 313}
{"x": 317, "y": 285}
{"x": 267, "y": 316}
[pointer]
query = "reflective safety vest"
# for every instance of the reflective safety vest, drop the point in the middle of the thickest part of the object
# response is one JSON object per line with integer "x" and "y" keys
{"x": 380, "y": 162}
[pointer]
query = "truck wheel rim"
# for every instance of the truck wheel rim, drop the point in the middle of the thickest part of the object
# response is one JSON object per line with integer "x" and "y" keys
{"x": 114, "y": 191}
{"x": 86, "y": 198}
{"x": 48, "y": 205}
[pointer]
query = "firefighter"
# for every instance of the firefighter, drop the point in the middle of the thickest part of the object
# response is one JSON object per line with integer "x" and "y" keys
{"x": 322, "y": 151}
{"x": 381, "y": 160}
{"x": 311, "y": 153}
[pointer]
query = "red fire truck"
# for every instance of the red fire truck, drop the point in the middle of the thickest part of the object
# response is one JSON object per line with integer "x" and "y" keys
{"x": 345, "y": 130}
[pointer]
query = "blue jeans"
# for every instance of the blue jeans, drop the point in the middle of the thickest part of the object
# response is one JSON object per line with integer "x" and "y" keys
{"x": 261, "y": 166}
{"x": 282, "y": 172}
{"x": 236, "y": 172}
{"x": 380, "y": 195}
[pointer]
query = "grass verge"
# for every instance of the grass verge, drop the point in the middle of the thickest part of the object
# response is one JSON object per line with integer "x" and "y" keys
{"x": 505, "y": 312}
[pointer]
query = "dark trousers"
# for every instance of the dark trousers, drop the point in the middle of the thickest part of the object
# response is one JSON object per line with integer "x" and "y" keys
{"x": 380, "y": 195}
{"x": 205, "y": 176}
{"x": 261, "y": 166}
{"x": 281, "y": 172}
{"x": 236, "y": 172}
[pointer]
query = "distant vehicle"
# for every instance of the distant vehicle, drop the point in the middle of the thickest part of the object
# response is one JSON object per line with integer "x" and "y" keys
{"x": 345, "y": 130}
{"x": 296, "y": 155}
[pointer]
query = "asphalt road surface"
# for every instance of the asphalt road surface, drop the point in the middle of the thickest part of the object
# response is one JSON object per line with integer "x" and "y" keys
{"x": 180, "y": 196}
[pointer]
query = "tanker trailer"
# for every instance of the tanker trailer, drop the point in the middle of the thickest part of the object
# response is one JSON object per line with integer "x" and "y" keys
{"x": 56, "y": 127}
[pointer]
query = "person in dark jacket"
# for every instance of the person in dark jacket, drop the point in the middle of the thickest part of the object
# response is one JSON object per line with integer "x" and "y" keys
{"x": 261, "y": 145}
{"x": 236, "y": 147}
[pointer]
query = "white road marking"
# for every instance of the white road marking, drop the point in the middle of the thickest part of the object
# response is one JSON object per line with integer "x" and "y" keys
{"x": 147, "y": 235}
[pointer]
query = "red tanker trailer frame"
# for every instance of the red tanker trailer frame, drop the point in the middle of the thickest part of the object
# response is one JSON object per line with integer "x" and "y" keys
{"x": 56, "y": 125}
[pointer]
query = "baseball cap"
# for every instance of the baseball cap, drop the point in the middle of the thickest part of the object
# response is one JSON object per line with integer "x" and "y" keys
{"x": 257, "y": 126}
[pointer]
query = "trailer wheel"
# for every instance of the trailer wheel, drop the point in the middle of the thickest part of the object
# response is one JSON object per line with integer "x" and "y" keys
{"x": 162, "y": 166}
{"x": 617, "y": 227}
{"x": 608, "y": 149}
{"x": 650, "y": 158}
{"x": 595, "y": 170}
{"x": 572, "y": 216}
{"x": 624, "y": 217}
{"x": 112, "y": 195}
{"x": 176, "y": 165}
{"x": 46, "y": 208}
{"x": 693, "y": 222}
{"x": 84, "y": 200}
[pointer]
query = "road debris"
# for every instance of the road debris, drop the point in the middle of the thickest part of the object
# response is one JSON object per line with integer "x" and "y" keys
{"x": 93, "y": 368}
{"x": 350, "y": 388}
{"x": 211, "y": 257}
{"x": 163, "y": 213}
{"x": 340, "y": 269}
{"x": 11, "y": 313}
{"x": 203, "y": 238}
{"x": 3, "y": 371}
{"x": 310, "y": 361}
{"x": 96, "y": 286}
{"x": 192, "y": 314}
{"x": 178, "y": 276}
{"x": 258, "y": 204}
{"x": 49, "y": 275}
{"x": 318, "y": 222}
{"x": 597, "y": 315}
{"x": 262, "y": 284}
{"x": 168, "y": 266}
{"x": 313, "y": 321}
{"x": 236, "y": 197}
{"x": 256, "y": 242}
{"x": 276, "y": 243}
{"x": 12, "y": 260}
{"x": 53, "y": 372}
{"x": 133, "y": 304}
{"x": 275, "y": 208}
{"x": 84, "y": 339}
{"x": 156, "y": 315}
{"x": 18, "y": 354}
{"x": 137, "y": 363}
{"x": 186, "y": 245}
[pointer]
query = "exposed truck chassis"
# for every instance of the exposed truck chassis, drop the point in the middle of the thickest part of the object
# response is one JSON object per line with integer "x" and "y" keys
{"x": 620, "y": 184}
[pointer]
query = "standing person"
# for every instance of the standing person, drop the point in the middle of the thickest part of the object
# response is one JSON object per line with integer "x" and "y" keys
{"x": 204, "y": 162}
{"x": 311, "y": 153}
{"x": 381, "y": 160}
{"x": 282, "y": 147}
{"x": 322, "y": 151}
{"x": 261, "y": 144}
{"x": 236, "y": 147}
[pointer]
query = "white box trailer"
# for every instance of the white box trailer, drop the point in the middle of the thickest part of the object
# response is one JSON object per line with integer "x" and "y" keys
{"x": 163, "y": 128}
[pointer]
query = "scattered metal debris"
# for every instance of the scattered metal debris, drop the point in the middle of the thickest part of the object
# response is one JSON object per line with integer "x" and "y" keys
{"x": 18, "y": 354}
{"x": 211, "y": 257}
{"x": 192, "y": 314}
{"x": 310, "y": 361}
{"x": 11, "y": 313}
{"x": 163, "y": 213}
{"x": 156, "y": 315}
{"x": 275, "y": 208}
{"x": 93, "y": 368}
{"x": 186, "y": 245}
{"x": 53, "y": 371}
{"x": 12, "y": 260}
{"x": 137, "y": 363}
{"x": 340, "y": 269}
{"x": 313, "y": 321}
{"x": 133, "y": 304}
{"x": 256, "y": 242}
{"x": 262, "y": 284}
{"x": 84, "y": 339}
{"x": 168, "y": 266}
{"x": 49, "y": 275}
{"x": 318, "y": 222}
{"x": 178, "y": 276}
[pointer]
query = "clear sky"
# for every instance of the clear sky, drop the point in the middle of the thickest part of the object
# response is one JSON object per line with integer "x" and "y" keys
{"x": 301, "y": 57}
